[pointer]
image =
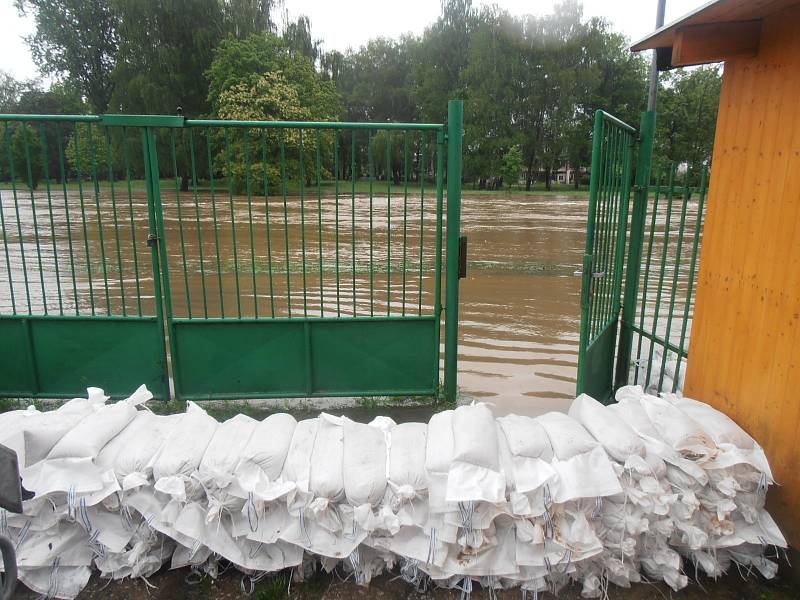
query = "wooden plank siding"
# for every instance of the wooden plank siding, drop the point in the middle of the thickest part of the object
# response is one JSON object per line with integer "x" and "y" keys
{"x": 744, "y": 354}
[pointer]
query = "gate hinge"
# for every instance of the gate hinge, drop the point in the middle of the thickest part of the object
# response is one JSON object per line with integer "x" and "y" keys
{"x": 152, "y": 240}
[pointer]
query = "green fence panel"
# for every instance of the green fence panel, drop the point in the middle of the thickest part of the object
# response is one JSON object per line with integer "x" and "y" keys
{"x": 225, "y": 259}
{"x": 604, "y": 257}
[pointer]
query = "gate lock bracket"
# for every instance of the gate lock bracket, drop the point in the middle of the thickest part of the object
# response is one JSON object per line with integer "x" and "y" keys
{"x": 152, "y": 240}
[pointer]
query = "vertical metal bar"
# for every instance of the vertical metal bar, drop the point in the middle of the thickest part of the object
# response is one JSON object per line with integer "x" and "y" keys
{"x": 319, "y": 224}
{"x": 249, "y": 186}
{"x": 29, "y": 168}
{"x": 597, "y": 227}
{"x": 405, "y": 213}
{"x": 613, "y": 232}
{"x": 134, "y": 247}
{"x": 422, "y": 170}
{"x": 601, "y": 202}
{"x": 622, "y": 225}
{"x": 216, "y": 224}
{"x": 336, "y": 215}
{"x": 353, "y": 213}
{"x": 675, "y": 273}
{"x": 109, "y": 160}
{"x": 455, "y": 133}
{"x": 644, "y": 159}
{"x": 158, "y": 255}
{"x": 63, "y": 175}
{"x": 437, "y": 292}
{"x": 79, "y": 173}
{"x": 46, "y": 172}
{"x": 600, "y": 299}
{"x": 285, "y": 220}
{"x": 371, "y": 175}
{"x": 605, "y": 199}
{"x": 176, "y": 178}
{"x": 660, "y": 289}
{"x": 648, "y": 262}
{"x": 303, "y": 224}
{"x": 193, "y": 160}
{"x": 12, "y": 175}
{"x": 698, "y": 231}
{"x": 233, "y": 220}
{"x": 594, "y": 184}
{"x": 266, "y": 212}
{"x": 8, "y": 258}
{"x": 96, "y": 182}
{"x": 389, "y": 175}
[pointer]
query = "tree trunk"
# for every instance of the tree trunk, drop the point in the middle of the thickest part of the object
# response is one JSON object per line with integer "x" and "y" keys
{"x": 548, "y": 178}
{"x": 576, "y": 177}
{"x": 184, "y": 183}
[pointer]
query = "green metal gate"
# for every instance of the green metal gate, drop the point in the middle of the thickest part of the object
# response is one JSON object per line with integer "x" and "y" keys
{"x": 639, "y": 334}
{"x": 242, "y": 258}
{"x": 604, "y": 257}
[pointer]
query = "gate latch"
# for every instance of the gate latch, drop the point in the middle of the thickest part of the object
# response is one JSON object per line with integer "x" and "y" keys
{"x": 462, "y": 257}
{"x": 152, "y": 240}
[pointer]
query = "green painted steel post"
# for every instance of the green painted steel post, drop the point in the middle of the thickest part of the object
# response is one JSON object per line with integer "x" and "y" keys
{"x": 588, "y": 257}
{"x": 647, "y": 131}
{"x": 158, "y": 254}
{"x": 455, "y": 134}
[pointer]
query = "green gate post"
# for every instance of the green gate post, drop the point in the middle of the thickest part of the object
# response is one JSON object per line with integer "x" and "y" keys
{"x": 156, "y": 241}
{"x": 455, "y": 133}
{"x": 643, "y": 166}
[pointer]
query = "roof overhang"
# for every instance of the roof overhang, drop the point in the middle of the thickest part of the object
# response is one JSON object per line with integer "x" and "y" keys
{"x": 715, "y": 32}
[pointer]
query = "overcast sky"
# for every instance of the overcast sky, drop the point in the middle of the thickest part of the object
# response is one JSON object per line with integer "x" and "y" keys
{"x": 343, "y": 23}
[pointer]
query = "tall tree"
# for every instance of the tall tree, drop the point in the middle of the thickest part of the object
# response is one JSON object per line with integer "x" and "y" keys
{"x": 77, "y": 39}
{"x": 165, "y": 48}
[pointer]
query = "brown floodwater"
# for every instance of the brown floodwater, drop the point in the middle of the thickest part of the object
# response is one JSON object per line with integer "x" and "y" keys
{"x": 519, "y": 310}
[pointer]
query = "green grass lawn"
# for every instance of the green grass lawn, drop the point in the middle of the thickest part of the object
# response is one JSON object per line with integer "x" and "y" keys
{"x": 345, "y": 187}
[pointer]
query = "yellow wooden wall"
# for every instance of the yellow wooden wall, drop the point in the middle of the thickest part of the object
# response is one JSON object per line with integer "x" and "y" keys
{"x": 744, "y": 355}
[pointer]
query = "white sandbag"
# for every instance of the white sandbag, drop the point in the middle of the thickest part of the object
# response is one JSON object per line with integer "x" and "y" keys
{"x": 225, "y": 449}
{"x": 92, "y": 433}
{"x": 567, "y": 437}
{"x": 12, "y": 428}
{"x": 364, "y": 463}
{"x": 439, "y": 442}
{"x": 619, "y": 440}
{"x": 129, "y": 454}
{"x": 56, "y": 581}
{"x": 184, "y": 448}
{"x": 297, "y": 466}
{"x": 475, "y": 436}
{"x": 407, "y": 459}
{"x": 630, "y": 411}
{"x": 326, "y": 478}
{"x": 43, "y": 431}
{"x": 587, "y": 475}
{"x": 718, "y": 425}
{"x": 269, "y": 444}
{"x": 526, "y": 437}
{"x": 474, "y": 473}
{"x": 676, "y": 428}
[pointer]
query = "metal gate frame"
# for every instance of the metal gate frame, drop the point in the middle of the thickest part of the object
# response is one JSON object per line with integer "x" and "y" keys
{"x": 232, "y": 357}
{"x": 610, "y": 186}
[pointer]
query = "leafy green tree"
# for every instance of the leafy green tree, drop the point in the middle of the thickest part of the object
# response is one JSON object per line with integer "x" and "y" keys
{"x": 11, "y": 90}
{"x": 164, "y": 50}
{"x": 258, "y": 79}
{"x": 77, "y": 39}
{"x": 687, "y": 116}
{"x": 241, "y": 18}
{"x": 513, "y": 165}
{"x": 86, "y": 152}
{"x": 26, "y": 150}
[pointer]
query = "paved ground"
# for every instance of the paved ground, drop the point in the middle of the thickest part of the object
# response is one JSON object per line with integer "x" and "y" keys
{"x": 173, "y": 584}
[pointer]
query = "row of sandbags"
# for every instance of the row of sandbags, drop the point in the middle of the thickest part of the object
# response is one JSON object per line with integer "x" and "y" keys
{"x": 649, "y": 486}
